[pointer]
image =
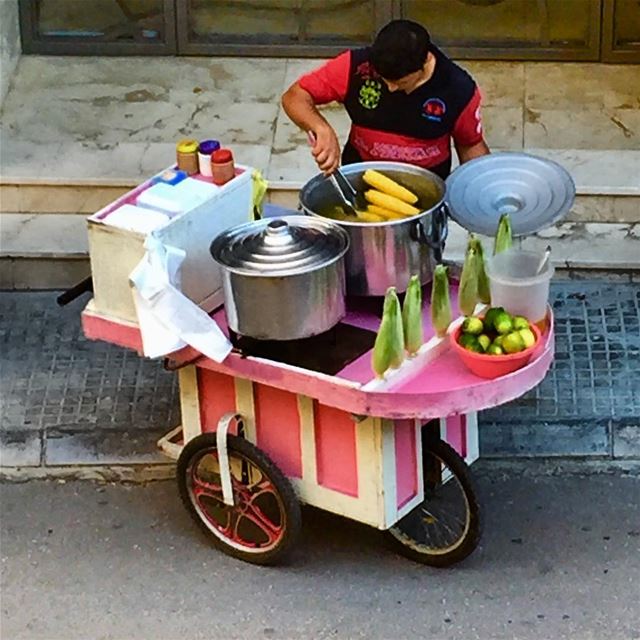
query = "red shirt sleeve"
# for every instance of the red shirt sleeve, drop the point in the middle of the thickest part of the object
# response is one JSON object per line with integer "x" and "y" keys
{"x": 329, "y": 82}
{"x": 467, "y": 130}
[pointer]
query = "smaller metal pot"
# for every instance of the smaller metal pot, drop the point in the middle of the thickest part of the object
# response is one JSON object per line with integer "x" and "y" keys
{"x": 283, "y": 278}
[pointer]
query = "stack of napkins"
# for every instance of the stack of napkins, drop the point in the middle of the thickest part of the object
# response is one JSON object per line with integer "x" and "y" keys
{"x": 176, "y": 199}
{"x": 137, "y": 219}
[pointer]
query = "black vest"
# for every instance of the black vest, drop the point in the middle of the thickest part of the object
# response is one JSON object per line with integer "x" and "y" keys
{"x": 428, "y": 113}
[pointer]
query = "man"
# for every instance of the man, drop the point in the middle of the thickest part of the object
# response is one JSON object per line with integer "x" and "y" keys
{"x": 405, "y": 98}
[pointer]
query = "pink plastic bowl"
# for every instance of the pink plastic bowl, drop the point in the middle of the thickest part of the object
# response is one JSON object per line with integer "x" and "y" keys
{"x": 487, "y": 366}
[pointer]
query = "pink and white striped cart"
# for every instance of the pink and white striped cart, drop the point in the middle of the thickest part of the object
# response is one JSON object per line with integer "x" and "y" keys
{"x": 262, "y": 434}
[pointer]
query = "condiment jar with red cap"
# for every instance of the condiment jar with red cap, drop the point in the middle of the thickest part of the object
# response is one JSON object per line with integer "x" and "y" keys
{"x": 222, "y": 166}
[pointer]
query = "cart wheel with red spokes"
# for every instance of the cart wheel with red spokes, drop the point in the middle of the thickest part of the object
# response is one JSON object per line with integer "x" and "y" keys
{"x": 446, "y": 526}
{"x": 263, "y": 523}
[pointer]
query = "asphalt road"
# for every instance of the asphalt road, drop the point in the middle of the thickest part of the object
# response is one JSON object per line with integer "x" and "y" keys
{"x": 560, "y": 558}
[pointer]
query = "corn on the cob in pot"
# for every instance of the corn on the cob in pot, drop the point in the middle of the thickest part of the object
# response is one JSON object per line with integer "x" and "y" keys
{"x": 385, "y": 184}
{"x": 390, "y": 203}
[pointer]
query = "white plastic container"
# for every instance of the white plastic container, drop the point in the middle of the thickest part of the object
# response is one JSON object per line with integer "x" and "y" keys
{"x": 115, "y": 252}
{"x": 515, "y": 286}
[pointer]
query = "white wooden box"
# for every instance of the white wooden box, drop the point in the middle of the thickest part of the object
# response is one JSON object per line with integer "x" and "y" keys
{"x": 115, "y": 252}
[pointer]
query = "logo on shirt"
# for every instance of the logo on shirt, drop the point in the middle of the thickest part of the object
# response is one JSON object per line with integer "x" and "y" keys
{"x": 434, "y": 109}
{"x": 369, "y": 94}
{"x": 365, "y": 70}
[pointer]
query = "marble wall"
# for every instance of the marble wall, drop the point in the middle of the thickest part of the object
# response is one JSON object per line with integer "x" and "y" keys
{"x": 9, "y": 44}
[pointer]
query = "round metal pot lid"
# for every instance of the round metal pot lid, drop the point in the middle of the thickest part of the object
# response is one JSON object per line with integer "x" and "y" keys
{"x": 535, "y": 192}
{"x": 290, "y": 245}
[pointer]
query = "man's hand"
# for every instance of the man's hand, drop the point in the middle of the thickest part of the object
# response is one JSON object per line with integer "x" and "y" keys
{"x": 325, "y": 148}
{"x": 299, "y": 106}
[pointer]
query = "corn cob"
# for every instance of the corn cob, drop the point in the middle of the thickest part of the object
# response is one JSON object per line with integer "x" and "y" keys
{"x": 412, "y": 316}
{"x": 484, "y": 295}
{"x": 386, "y": 201}
{"x": 504, "y": 238}
{"x": 440, "y": 302}
{"x": 388, "y": 349}
{"x": 468, "y": 291}
{"x": 369, "y": 216}
{"x": 385, "y": 213}
{"x": 382, "y": 183}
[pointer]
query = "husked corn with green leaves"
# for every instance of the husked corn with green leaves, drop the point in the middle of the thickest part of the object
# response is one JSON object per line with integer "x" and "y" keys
{"x": 504, "y": 236}
{"x": 440, "y": 302}
{"x": 388, "y": 349}
{"x": 412, "y": 316}
{"x": 468, "y": 291}
{"x": 484, "y": 295}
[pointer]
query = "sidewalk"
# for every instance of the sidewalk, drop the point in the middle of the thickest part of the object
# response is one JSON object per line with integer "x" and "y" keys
{"x": 69, "y": 403}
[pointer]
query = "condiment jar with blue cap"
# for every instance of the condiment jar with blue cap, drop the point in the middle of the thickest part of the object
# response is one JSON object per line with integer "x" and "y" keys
{"x": 205, "y": 149}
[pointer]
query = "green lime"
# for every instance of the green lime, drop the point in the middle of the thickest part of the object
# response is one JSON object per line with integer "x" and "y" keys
{"x": 520, "y": 322}
{"x": 498, "y": 341}
{"x": 472, "y": 325}
{"x": 503, "y": 323}
{"x": 470, "y": 343}
{"x": 513, "y": 342}
{"x": 484, "y": 341}
{"x": 495, "y": 350}
{"x": 490, "y": 316}
{"x": 528, "y": 337}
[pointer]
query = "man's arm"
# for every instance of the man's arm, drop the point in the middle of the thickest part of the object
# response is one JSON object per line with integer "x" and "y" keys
{"x": 469, "y": 152}
{"x": 467, "y": 133}
{"x": 301, "y": 108}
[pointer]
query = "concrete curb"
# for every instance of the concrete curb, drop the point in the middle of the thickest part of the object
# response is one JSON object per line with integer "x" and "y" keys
{"x": 495, "y": 468}
{"x": 122, "y": 473}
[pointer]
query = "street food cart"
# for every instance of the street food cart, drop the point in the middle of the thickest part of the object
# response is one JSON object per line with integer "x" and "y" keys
{"x": 270, "y": 425}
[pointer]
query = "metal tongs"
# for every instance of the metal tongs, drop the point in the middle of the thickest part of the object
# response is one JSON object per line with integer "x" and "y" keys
{"x": 352, "y": 201}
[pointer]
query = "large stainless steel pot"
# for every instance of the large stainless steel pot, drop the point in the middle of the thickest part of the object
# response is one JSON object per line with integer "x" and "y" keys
{"x": 283, "y": 278}
{"x": 385, "y": 254}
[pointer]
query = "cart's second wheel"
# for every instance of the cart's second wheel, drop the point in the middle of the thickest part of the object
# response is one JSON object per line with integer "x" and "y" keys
{"x": 264, "y": 521}
{"x": 446, "y": 526}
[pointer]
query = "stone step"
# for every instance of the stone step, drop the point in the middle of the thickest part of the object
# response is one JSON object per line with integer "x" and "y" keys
{"x": 50, "y": 250}
{"x": 43, "y": 241}
{"x": 607, "y": 182}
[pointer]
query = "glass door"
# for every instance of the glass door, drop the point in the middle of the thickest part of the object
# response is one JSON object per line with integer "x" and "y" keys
{"x": 98, "y": 27}
{"x": 278, "y": 27}
{"x": 621, "y": 31}
{"x": 511, "y": 29}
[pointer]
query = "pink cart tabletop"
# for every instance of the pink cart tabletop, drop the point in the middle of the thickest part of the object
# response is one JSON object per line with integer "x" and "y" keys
{"x": 436, "y": 384}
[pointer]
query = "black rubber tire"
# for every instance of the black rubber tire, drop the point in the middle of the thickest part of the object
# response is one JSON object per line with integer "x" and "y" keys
{"x": 407, "y": 546}
{"x": 291, "y": 513}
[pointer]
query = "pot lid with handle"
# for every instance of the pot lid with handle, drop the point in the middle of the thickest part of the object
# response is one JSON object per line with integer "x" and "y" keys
{"x": 534, "y": 191}
{"x": 290, "y": 245}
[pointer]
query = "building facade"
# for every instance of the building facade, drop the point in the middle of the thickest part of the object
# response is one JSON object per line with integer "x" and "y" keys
{"x": 579, "y": 30}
